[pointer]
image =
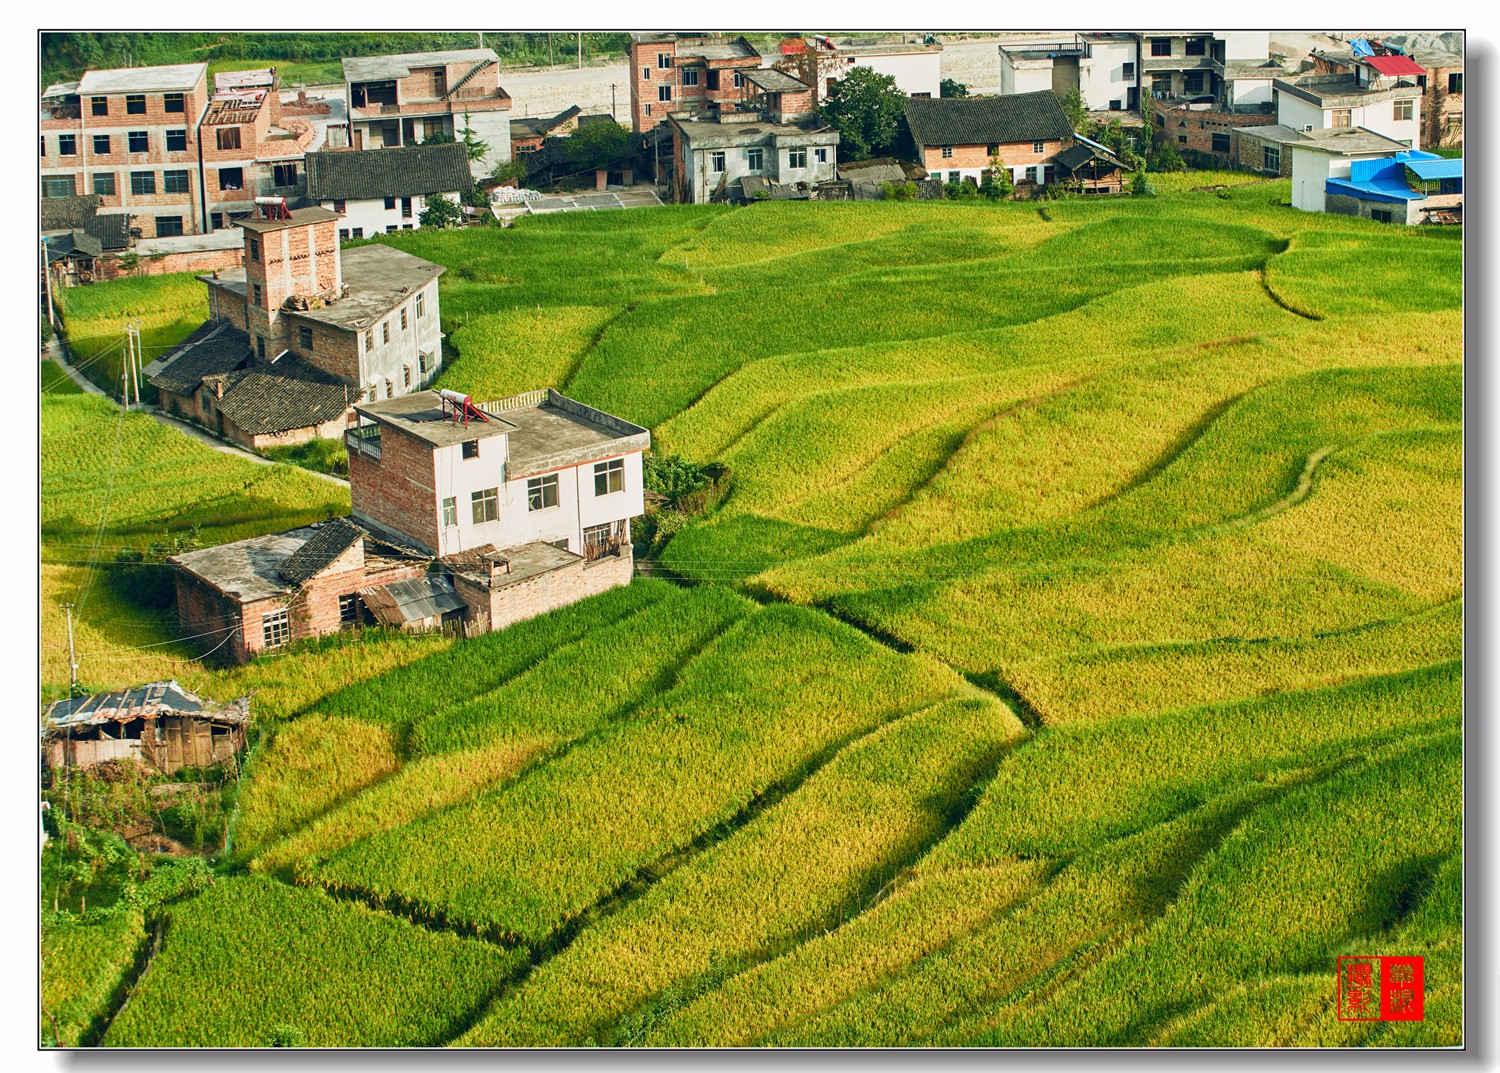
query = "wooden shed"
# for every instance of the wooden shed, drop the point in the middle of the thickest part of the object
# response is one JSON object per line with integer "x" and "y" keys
{"x": 161, "y": 725}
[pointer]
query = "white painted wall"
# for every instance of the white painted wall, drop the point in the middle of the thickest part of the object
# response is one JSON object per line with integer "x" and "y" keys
{"x": 1250, "y": 91}
{"x": 373, "y": 218}
{"x": 1379, "y": 117}
{"x": 1045, "y": 173}
{"x": 1101, "y": 77}
{"x": 1296, "y": 113}
{"x": 492, "y": 128}
{"x": 1024, "y": 76}
{"x": 1310, "y": 170}
{"x": 1245, "y": 44}
{"x": 776, "y": 167}
{"x": 577, "y": 506}
{"x": 917, "y": 72}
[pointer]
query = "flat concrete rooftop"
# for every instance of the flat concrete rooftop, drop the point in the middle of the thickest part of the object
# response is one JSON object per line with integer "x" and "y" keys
{"x": 381, "y": 68}
{"x": 182, "y": 76}
{"x": 420, "y": 414}
{"x": 247, "y": 569}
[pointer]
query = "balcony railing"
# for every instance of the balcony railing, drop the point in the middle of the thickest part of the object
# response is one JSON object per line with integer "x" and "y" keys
{"x": 364, "y": 439}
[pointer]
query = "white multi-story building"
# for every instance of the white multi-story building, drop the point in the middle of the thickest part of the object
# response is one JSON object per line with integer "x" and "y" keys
{"x": 1378, "y": 93}
{"x": 1103, "y": 67}
{"x": 387, "y": 190}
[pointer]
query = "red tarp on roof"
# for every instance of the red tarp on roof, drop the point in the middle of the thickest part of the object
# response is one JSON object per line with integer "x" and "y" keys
{"x": 1395, "y": 65}
{"x": 793, "y": 47}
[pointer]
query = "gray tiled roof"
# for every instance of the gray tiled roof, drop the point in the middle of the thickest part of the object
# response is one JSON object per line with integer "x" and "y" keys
{"x": 1013, "y": 117}
{"x": 333, "y": 539}
{"x": 214, "y": 348}
{"x": 66, "y": 213}
{"x": 291, "y": 394}
{"x": 362, "y": 174}
{"x": 110, "y": 229}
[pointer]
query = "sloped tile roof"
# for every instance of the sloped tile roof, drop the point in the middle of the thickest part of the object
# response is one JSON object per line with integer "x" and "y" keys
{"x": 1013, "y": 117}
{"x": 332, "y": 540}
{"x": 357, "y": 175}
{"x": 214, "y": 348}
{"x": 289, "y": 395}
{"x": 110, "y": 229}
{"x": 66, "y": 213}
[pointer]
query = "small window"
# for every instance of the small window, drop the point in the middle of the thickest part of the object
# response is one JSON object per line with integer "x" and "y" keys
{"x": 1127, "y": 70}
{"x": 1031, "y": 174}
{"x": 664, "y": 93}
{"x": 173, "y": 102}
{"x": 391, "y": 229}
{"x": 140, "y": 141}
{"x": 284, "y": 174}
{"x": 716, "y": 161}
{"x": 955, "y": 176}
{"x": 255, "y": 250}
{"x": 358, "y": 232}
{"x": 406, "y": 207}
{"x": 993, "y": 149}
{"x": 177, "y": 140}
{"x": 609, "y": 477}
{"x": 421, "y": 307}
{"x": 690, "y": 76}
{"x": 947, "y": 152}
{"x": 424, "y": 362}
{"x": 349, "y": 609}
{"x": 231, "y": 178}
{"x": 101, "y": 145}
{"x": 1220, "y": 143}
{"x": 385, "y": 332}
{"x": 67, "y": 145}
{"x": 646, "y": 73}
{"x": 471, "y": 448}
{"x": 1182, "y": 139}
{"x": 304, "y": 337}
{"x": 1339, "y": 117}
{"x": 1161, "y": 46}
{"x": 104, "y": 183}
{"x": 541, "y": 492}
{"x": 174, "y": 182}
{"x": 403, "y": 320}
{"x": 135, "y": 104}
{"x": 796, "y": 158}
{"x": 1192, "y": 82}
{"x": 1197, "y": 46}
{"x": 143, "y": 182}
{"x": 390, "y": 203}
{"x": 450, "y": 512}
{"x": 648, "y": 109}
{"x": 58, "y": 186}
{"x": 821, "y": 155}
{"x": 227, "y": 137}
{"x": 664, "y": 60}
{"x": 486, "y": 504}
{"x": 1403, "y": 110}
{"x": 168, "y": 226}
{"x": 99, "y": 105}
{"x": 390, "y": 388}
{"x": 1161, "y": 86}
{"x": 255, "y": 292}
{"x": 597, "y": 536}
{"x": 1381, "y": 215}
{"x": 338, "y": 207}
{"x": 739, "y": 79}
{"x": 755, "y": 159}
{"x": 370, "y": 339}
{"x": 260, "y": 347}
{"x": 406, "y": 375}
{"x": 1038, "y": 147}
{"x": 43, "y": 140}
{"x": 343, "y": 234}
{"x": 1456, "y": 82}
{"x": 215, "y": 220}
{"x": 276, "y": 628}
{"x": 1270, "y": 159}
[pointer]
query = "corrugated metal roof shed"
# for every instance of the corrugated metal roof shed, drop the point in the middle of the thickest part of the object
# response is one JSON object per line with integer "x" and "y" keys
{"x": 420, "y": 598}
{"x": 1436, "y": 168}
{"x": 144, "y": 702}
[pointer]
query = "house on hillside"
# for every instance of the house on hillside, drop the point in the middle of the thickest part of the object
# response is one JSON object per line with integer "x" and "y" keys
{"x": 252, "y": 145}
{"x": 465, "y": 517}
{"x": 1206, "y": 87}
{"x": 395, "y": 101}
{"x": 1348, "y": 91}
{"x": 302, "y": 332}
{"x": 767, "y": 133}
{"x": 960, "y": 138}
{"x": 160, "y": 725}
{"x": 1410, "y": 187}
{"x": 388, "y": 190}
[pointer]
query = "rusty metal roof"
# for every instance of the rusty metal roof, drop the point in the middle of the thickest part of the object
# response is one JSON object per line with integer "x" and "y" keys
{"x": 420, "y": 598}
{"x": 144, "y": 702}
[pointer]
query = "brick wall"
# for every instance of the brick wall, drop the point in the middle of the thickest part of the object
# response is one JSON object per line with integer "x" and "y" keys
{"x": 556, "y": 588}
{"x": 1190, "y": 129}
{"x": 334, "y": 350}
{"x": 190, "y": 261}
{"x": 226, "y": 305}
{"x": 1249, "y": 152}
{"x": 202, "y": 609}
{"x": 397, "y": 491}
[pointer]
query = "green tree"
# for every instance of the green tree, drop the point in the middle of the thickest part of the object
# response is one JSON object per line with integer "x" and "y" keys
{"x": 950, "y": 87}
{"x": 1075, "y": 109}
{"x": 129, "y": 262}
{"x": 597, "y": 145}
{"x": 439, "y": 137}
{"x": 440, "y": 212}
{"x": 866, "y": 108}
{"x": 998, "y": 182}
{"x": 472, "y": 145}
{"x": 1167, "y": 158}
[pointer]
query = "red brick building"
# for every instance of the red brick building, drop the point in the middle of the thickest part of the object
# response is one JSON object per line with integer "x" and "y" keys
{"x": 131, "y": 137}
{"x": 674, "y": 74}
{"x": 962, "y": 138}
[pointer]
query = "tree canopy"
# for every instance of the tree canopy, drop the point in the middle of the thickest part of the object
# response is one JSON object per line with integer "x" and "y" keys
{"x": 597, "y": 145}
{"x": 866, "y": 107}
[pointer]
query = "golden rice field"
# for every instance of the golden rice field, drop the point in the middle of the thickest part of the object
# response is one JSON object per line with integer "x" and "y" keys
{"x": 1074, "y": 660}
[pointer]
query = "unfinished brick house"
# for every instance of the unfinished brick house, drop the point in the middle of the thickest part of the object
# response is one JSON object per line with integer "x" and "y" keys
{"x": 302, "y": 332}
{"x": 464, "y": 517}
{"x": 675, "y": 74}
{"x": 406, "y": 99}
{"x": 160, "y": 725}
{"x": 960, "y": 138}
{"x": 250, "y": 149}
{"x": 131, "y": 137}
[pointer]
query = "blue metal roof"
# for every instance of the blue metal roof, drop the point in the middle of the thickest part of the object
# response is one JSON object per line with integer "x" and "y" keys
{"x": 1437, "y": 168}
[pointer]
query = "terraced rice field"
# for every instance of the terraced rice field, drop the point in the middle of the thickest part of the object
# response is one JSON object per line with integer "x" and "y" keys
{"x": 1074, "y": 660}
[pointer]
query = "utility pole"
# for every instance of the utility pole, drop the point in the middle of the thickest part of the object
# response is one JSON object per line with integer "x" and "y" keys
{"x": 135, "y": 328}
{"x": 72, "y": 657}
{"x": 551, "y": 59}
{"x": 47, "y": 278}
{"x": 580, "y": 50}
